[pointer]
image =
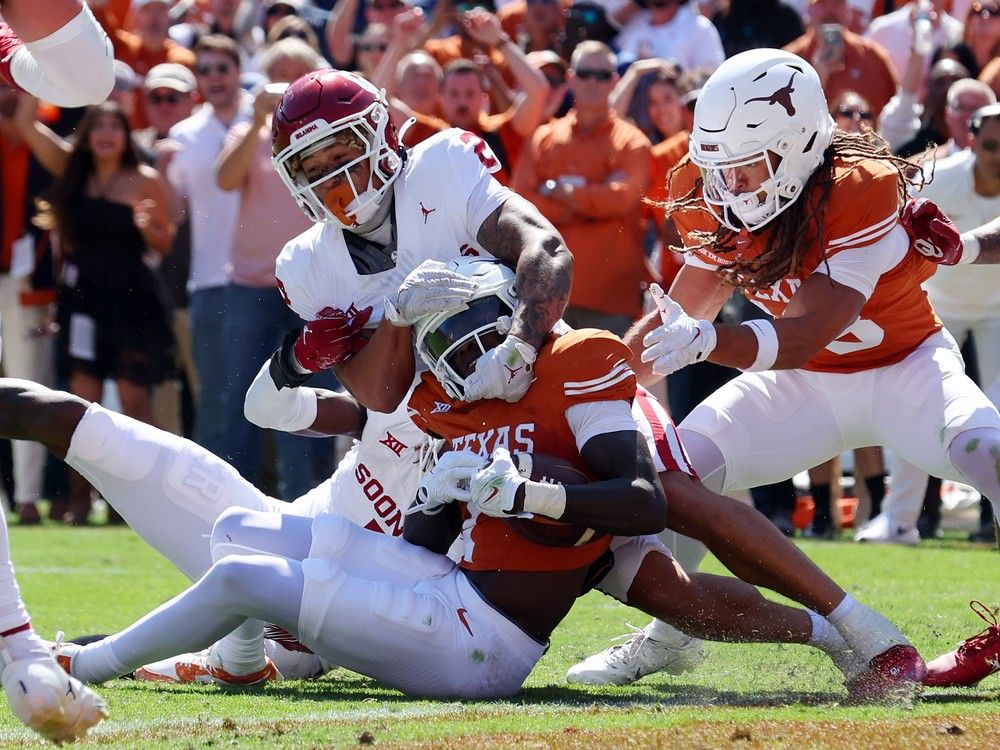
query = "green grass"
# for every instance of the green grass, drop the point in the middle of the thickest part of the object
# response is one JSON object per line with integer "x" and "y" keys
{"x": 100, "y": 579}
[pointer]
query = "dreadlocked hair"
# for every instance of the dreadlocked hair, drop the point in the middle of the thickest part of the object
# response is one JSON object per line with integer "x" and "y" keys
{"x": 800, "y": 225}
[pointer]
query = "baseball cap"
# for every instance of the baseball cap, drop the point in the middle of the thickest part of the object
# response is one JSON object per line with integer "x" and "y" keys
{"x": 136, "y": 4}
{"x": 170, "y": 76}
{"x": 983, "y": 113}
{"x": 540, "y": 58}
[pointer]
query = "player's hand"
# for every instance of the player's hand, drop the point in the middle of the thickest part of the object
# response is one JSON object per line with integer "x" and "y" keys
{"x": 506, "y": 372}
{"x": 446, "y": 482}
{"x": 932, "y": 233}
{"x": 429, "y": 288}
{"x": 330, "y": 339}
{"x": 494, "y": 486}
{"x": 680, "y": 340}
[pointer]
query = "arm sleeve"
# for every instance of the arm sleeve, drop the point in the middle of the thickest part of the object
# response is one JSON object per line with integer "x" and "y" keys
{"x": 861, "y": 268}
{"x": 599, "y": 418}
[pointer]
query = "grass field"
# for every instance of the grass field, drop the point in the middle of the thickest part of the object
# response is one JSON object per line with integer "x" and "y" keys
{"x": 99, "y": 579}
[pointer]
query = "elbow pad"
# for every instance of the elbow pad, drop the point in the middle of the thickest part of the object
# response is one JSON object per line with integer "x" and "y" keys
{"x": 279, "y": 408}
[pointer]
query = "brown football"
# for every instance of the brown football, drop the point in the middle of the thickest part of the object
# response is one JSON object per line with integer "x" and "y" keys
{"x": 540, "y": 530}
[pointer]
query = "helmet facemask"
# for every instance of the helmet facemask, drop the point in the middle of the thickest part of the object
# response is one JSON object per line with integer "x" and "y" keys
{"x": 346, "y": 204}
{"x": 451, "y": 342}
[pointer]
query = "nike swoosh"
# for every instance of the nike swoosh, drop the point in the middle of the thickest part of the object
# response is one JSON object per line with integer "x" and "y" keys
{"x": 492, "y": 494}
{"x": 461, "y": 611}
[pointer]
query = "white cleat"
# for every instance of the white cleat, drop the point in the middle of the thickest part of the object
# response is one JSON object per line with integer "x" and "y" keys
{"x": 42, "y": 695}
{"x": 884, "y": 529}
{"x": 638, "y": 656}
{"x": 205, "y": 668}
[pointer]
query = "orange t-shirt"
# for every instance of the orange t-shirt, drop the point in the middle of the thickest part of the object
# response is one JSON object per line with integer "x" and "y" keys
{"x": 863, "y": 207}
{"x": 867, "y": 69}
{"x": 579, "y": 367}
{"x": 129, "y": 49}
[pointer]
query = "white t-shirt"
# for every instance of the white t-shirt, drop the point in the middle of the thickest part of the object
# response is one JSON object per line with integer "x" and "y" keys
{"x": 213, "y": 211}
{"x": 894, "y": 32}
{"x": 689, "y": 38}
{"x": 971, "y": 292}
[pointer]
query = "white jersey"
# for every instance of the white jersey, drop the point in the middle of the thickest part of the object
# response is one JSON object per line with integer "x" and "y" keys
{"x": 442, "y": 197}
{"x": 377, "y": 479}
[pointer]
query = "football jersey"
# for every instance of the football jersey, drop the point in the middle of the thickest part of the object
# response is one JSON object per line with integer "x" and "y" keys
{"x": 575, "y": 368}
{"x": 377, "y": 480}
{"x": 437, "y": 218}
{"x": 862, "y": 208}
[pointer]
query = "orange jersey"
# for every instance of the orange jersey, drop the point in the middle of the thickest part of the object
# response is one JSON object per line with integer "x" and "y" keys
{"x": 863, "y": 207}
{"x": 578, "y": 367}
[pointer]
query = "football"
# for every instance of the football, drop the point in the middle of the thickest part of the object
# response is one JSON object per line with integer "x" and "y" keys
{"x": 540, "y": 530}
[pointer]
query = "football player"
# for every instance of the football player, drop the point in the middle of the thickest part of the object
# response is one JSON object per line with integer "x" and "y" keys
{"x": 412, "y": 618}
{"x": 55, "y": 50}
{"x": 805, "y": 219}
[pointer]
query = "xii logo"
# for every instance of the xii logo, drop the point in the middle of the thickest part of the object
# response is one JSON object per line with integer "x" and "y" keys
{"x": 393, "y": 444}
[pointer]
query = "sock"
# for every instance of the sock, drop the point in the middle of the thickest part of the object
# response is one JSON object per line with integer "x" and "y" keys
{"x": 866, "y": 632}
{"x": 661, "y": 631}
{"x": 821, "y": 499}
{"x": 876, "y": 491}
{"x": 824, "y": 636}
{"x": 242, "y": 651}
{"x": 98, "y": 662}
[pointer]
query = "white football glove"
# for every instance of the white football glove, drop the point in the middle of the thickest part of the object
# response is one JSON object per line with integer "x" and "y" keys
{"x": 45, "y": 698}
{"x": 494, "y": 485}
{"x": 680, "y": 340}
{"x": 506, "y": 372}
{"x": 429, "y": 288}
{"x": 446, "y": 482}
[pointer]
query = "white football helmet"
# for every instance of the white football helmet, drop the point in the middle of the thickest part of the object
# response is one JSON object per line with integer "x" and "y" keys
{"x": 451, "y": 342}
{"x": 315, "y": 111}
{"x": 765, "y": 108}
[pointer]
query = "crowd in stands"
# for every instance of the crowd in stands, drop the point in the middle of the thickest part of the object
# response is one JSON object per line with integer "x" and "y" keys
{"x": 138, "y": 237}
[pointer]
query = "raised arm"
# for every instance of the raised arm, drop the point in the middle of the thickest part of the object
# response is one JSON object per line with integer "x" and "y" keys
{"x": 51, "y": 151}
{"x": 338, "y": 28}
{"x": 517, "y": 234}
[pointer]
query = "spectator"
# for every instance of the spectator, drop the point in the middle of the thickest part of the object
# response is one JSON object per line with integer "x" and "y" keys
{"x": 587, "y": 173}
{"x": 463, "y": 45}
{"x": 109, "y": 210}
{"x": 256, "y": 318}
{"x": 339, "y": 39}
{"x": 534, "y": 25}
{"x": 169, "y": 97}
{"x": 148, "y": 44}
{"x": 418, "y": 82}
{"x": 844, "y": 60}
{"x": 196, "y": 143}
{"x": 851, "y": 112}
{"x": 982, "y": 31}
{"x": 554, "y": 68}
{"x": 25, "y": 307}
{"x": 751, "y": 24}
{"x": 960, "y": 53}
{"x": 371, "y": 48}
{"x": 670, "y": 30}
{"x": 933, "y": 116}
{"x": 894, "y": 31}
{"x": 295, "y": 27}
{"x": 273, "y": 11}
{"x": 964, "y": 98}
{"x": 658, "y": 111}
{"x": 463, "y": 94}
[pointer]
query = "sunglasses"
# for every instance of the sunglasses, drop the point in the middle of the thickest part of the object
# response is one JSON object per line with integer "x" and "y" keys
{"x": 372, "y": 47}
{"x": 984, "y": 11}
{"x": 280, "y": 10}
{"x": 585, "y": 74}
{"x": 855, "y": 114}
{"x": 220, "y": 68}
{"x": 171, "y": 98}
{"x": 555, "y": 80}
{"x": 541, "y": 2}
{"x": 295, "y": 34}
{"x": 387, "y": 6}
{"x": 990, "y": 145}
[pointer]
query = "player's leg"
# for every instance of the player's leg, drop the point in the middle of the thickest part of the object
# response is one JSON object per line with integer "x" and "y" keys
{"x": 56, "y": 50}
{"x": 168, "y": 489}
{"x": 795, "y": 427}
{"x": 943, "y": 423}
{"x": 40, "y": 693}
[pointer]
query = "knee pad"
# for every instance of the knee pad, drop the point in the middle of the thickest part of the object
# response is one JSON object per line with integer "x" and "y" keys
{"x": 225, "y": 539}
{"x": 107, "y": 441}
{"x": 71, "y": 67}
{"x": 331, "y": 536}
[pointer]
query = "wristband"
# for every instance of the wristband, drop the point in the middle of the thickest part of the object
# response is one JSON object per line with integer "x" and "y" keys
{"x": 285, "y": 370}
{"x": 544, "y": 499}
{"x": 970, "y": 248}
{"x": 767, "y": 345}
